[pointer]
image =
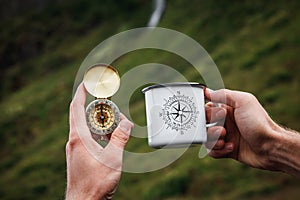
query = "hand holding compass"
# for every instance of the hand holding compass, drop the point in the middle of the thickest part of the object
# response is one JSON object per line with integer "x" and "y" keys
{"x": 102, "y": 166}
{"x": 102, "y": 82}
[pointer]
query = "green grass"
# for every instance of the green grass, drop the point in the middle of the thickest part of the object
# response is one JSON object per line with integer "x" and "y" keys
{"x": 255, "y": 45}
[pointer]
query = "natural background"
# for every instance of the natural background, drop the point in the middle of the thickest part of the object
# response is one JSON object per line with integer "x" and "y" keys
{"x": 255, "y": 44}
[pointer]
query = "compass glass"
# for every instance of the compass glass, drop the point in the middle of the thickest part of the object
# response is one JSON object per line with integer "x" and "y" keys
{"x": 103, "y": 116}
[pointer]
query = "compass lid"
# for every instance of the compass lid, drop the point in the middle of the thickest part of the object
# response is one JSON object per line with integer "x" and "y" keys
{"x": 101, "y": 80}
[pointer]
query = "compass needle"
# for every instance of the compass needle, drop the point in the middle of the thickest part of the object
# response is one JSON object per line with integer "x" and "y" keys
{"x": 102, "y": 115}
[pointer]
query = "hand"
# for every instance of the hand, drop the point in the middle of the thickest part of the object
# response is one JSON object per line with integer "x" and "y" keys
{"x": 250, "y": 135}
{"x": 93, "y": 172}
{"x": 248, "y": 132}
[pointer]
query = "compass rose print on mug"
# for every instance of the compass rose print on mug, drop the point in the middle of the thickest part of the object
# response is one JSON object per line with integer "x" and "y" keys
{"x": 175, "y": 114}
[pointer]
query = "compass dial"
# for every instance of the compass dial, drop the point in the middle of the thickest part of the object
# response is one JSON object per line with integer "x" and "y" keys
{"x": 103, "y": 116}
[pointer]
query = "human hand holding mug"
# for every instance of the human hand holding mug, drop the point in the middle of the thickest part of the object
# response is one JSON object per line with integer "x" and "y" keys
{"x": 250, "y": 135}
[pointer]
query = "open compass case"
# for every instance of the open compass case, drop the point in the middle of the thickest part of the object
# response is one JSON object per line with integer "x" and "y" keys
{"x": 102, "y": 81}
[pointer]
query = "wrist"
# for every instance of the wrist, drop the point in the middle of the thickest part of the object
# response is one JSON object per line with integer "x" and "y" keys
{"x": 268, "y": 141}
{"x": 283, "y": 152}
{"x": 83, "y": 193}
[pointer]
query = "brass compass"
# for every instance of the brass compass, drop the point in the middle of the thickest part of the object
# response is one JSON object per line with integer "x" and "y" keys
{"x": 103, "y": 116}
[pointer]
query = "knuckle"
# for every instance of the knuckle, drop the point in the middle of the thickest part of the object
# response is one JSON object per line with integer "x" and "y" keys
{"x": 72, "y": 104}
{"x": 72, "y": 144}
{"x": 213, "y": 154}
{"x": 248, "y": 96}
{"x": 120, "y": 137}
{"x": 67, "y": 149}
{"x": 75, "y": 103}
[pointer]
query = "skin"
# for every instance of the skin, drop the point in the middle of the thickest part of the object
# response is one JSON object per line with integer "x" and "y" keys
{"x": 92, "y": 176}
{"x": 249, "y": 135}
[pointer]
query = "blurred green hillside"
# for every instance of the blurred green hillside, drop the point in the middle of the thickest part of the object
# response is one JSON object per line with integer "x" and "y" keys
{"x": 255, "y": 45}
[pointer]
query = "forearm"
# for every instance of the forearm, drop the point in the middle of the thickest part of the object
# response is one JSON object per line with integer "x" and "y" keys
{"x": 285, "y": 152}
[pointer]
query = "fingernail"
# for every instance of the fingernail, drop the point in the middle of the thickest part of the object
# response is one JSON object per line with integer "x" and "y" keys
{"x": 125, "y": 126}
{"x": 229, "y": 146}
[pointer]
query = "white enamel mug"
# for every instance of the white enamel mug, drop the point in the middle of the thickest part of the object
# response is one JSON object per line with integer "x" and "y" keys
{"x": 175, "y": 114}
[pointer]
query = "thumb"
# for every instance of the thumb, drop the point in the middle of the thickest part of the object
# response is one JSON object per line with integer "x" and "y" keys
{"x": 112, "y": 154}
{"x": 120, "y": 136}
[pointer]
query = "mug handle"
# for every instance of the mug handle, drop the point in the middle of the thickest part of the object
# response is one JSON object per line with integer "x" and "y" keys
{"x": 215, "y": 123}
{"x": 211, "y": 124}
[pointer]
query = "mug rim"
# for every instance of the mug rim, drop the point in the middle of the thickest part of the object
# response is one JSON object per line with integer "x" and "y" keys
{"x": 175, "y": 84}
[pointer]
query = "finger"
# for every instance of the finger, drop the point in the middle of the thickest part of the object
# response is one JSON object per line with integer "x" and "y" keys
{"x": 222, "y": 153}
{"x": 225, "y": 96}
{"x": 214, "y": 114}
{"x": 80, "y": 95}
{"x": 79, "y": 130}
{"x": 120, "y": 136}
{"x": 113, "y": 152}
{"x": 216, "y": 132}
{"x": 77, "y": 112}
{"x": 122, "y": 116}
{"x": 215, "y": 145}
